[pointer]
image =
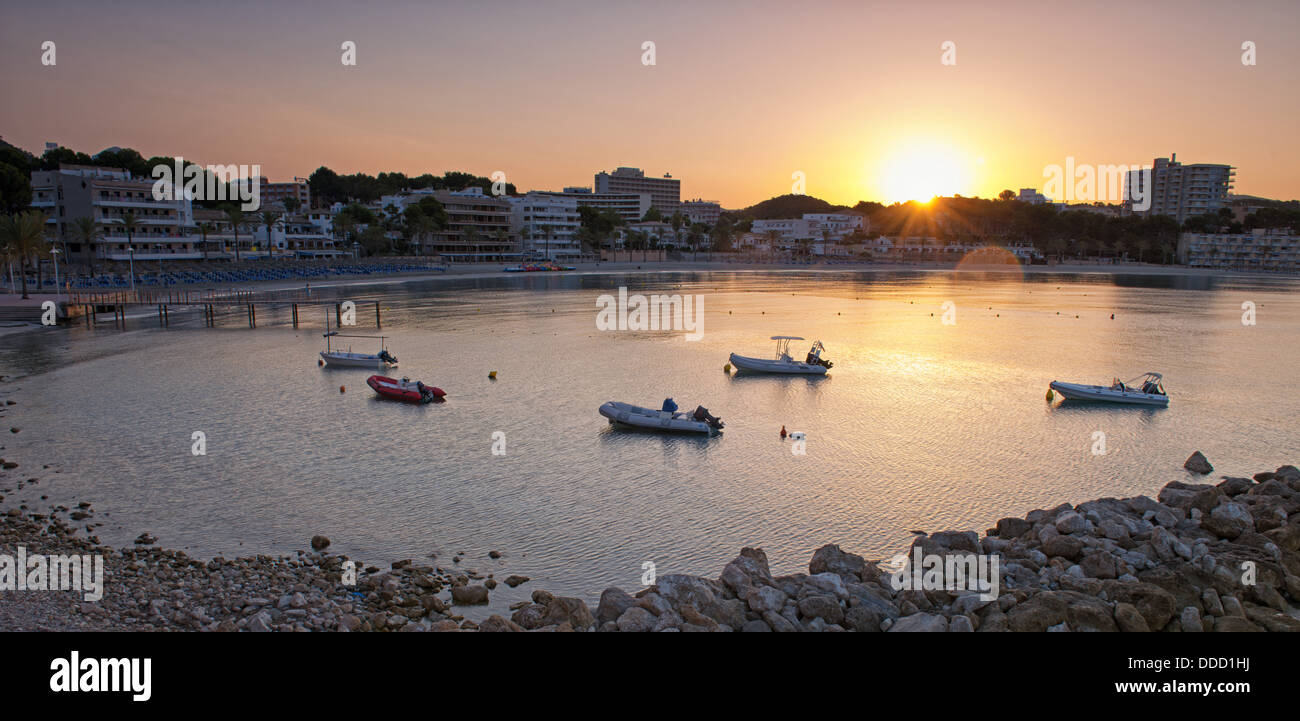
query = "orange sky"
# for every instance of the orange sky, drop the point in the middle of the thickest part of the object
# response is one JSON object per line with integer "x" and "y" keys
{"x": 743, "y": 95}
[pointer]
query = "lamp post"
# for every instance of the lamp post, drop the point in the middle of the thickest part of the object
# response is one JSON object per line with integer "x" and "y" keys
{"x": 130, "y": 252}
{"x": 54, "y": 253}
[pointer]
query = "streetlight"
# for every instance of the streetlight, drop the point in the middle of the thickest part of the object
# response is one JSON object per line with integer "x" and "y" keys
{"x": 130, "y": 251}
{"x": 54, "y": 252}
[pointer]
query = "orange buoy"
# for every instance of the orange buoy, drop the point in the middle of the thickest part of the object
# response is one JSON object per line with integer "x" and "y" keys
{"x": 343, "y": 389}
{"x": 320, "y": 362}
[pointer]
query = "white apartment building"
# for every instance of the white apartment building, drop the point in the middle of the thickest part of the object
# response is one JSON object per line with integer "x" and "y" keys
{"x": 631, "y": 207}
{"x": 546, "y": 224}
{"x": 813, "y": 228}
{"x": 1277, "y": 250}
{"x": 665, "y": 193}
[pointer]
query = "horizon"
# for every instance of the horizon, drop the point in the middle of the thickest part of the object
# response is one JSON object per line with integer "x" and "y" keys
{"x": 734, "y": 105}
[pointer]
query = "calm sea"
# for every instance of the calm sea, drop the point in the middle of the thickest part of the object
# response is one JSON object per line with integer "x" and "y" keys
{"x": 920, "y": 424}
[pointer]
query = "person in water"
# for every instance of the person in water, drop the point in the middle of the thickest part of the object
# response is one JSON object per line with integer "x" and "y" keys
{"x": 669, "y": 405}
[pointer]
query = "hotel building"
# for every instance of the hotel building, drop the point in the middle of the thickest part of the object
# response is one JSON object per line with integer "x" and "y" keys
{"x": 665, "y": 193}
{"x": 164, "y": 230}
{"x": 702, "y": 211}
{"x": 1180, "y": 191}
{"x": 546, "y": 224}
{"x": 1261, "y": 249}
{"x": 278, "y": 192}
{"x": 478, "y": 227}
{"x": 631, "y": 207}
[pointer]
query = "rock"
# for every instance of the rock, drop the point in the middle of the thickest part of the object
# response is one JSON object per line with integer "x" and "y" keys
{"x": 146, "y": 539}
{"x": 1071, "y": 522}
{"x": 1190, "y": 620}
{"x": 1155, "y": 604}
{"x": 1234, "y": 624}
{"x": 778, "y": 623}
{"x": 756, "y": 626}
{"x": 469, "y": 595}
{"x": 831, "y": 559}
{"x": 515, "y": 579}
{"x": 573, "y": 611}
{"x": 1013, "y": 527}
{"x": 1228, "y": 520}
{"x": 636, "y": 620}
{"x": 1197, "y": 463}
{"x": 679, "y": 589}
{"x": 1098, "y": 564}
{"x": 494, "y": 554}
{"x": 761, "y": 599}
{"x": 824, "y": 607}
{"x": 1129, "y": 620}
{"x": 1041, "y": 610}
{"x": 348, "y": 622}
{"x": 827, "y": 583}
{"x": 319, "y": 543}
{"x": 496, "y": 623}
{"x": 1063, "y": 546}
{"x": 961, "y": 624}
{"x": 614, "y": 602}
{"x": 863, "y": 619}
{"x": 746, "y": 570}
{"x": 920, "y": 622}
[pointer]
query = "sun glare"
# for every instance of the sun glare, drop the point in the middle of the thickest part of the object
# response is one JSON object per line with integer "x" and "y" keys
{"x": 922, "y": 172}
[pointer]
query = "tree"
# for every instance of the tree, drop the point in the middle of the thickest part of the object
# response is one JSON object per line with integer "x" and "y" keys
{"x": 86, "y": 230}
{"x": 1006, "y": 195}
{"x": 129, "y": 224}
{"x": 270, "y": 219}
{"x": 235, "y": 216}
{"x": 23, "y": 237}
{"x": 343, "y": 225}
{"x": 292, "y": 204}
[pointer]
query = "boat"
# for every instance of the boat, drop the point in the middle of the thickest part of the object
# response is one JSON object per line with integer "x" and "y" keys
{"x": 405, "y": 390}
{"x": 1145, "y": 390}
{"x": 813, "y": 364}
{"x": 379, "y": 361}
{"x": 626, "y": 414}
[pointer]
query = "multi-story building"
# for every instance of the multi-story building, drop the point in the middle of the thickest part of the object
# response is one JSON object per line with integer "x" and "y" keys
{"x": 1031, "y": 196}
{"x": 631, "y": 207}
{"x": 812, "y": 228}
{"x": 164, "y": 228}
{"x": 665, "y": 193}
{"x": 1261, "y": 249}
{"x": 702, "y": 211}
{"x": 546, "y": 225}
{"x": 478, "y": 228}
{"x": 278, "y": 192}
{"x": 1177, "y": 190}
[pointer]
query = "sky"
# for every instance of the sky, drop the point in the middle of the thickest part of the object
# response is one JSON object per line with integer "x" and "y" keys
{"x": 743, "y": 98}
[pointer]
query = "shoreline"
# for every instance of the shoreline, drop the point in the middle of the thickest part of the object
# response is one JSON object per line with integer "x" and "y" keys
{"x": 1172, "y": 563}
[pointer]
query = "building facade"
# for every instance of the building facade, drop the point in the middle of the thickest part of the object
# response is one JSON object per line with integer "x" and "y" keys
{"x": 1177, "y": 190}
{"x": 278, "y": 192}
{"x": 665, "y": 193}
{"x": 702, "y": 211}
{"x": 164, "y": 228}
{"x": 478, "y": 228}
{"x": 546, "y": 225}
{"x": 631, "y": 207}
{"x": 1275, "y": 250}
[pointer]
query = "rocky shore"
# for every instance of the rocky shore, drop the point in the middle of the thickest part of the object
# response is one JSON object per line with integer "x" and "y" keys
{"x": 1219, "y": 556}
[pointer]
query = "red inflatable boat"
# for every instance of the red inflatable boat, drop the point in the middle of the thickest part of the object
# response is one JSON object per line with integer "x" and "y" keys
{"x": 405, "y": 390}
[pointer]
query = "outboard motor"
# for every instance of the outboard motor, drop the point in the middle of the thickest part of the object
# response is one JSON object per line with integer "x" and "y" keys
{"x": 702, "y": 414}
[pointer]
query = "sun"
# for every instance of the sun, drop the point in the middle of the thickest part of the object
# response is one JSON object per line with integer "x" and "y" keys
{"x": 922, "y": 172}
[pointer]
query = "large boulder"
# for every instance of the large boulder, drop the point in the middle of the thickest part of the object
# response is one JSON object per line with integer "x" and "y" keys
{"x": 1228, "y": 520}
{"x": 1155, "y": 604}
{"x": 826, "y": 608}
{"x": 679, "y": 589}
{"x": 746, "y": 570}
{"x": 496, "y": 623}
{"x": 832, "y": 559}
{"x": 1039, "y": 612}
{"x": 1009, "y": 528}
{"x": 573, "y": 611}
{"x": 637, "y": 620}
{"x": 469, "y": 595}
{"x": 613, "y": 603}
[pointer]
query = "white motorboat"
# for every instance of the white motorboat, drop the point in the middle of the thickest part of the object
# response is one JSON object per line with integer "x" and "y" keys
{"x": 813, "y": 364}
{"x": 381, "y": 360}
{"x": 1145, "y": 390}
{"x": 698, "y": 421}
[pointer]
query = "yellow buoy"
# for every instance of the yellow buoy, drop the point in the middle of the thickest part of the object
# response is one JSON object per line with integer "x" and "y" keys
{"x": 726, "y": 368}
{"x": 492, "y": 375}
{"x": 1050, "y": 395}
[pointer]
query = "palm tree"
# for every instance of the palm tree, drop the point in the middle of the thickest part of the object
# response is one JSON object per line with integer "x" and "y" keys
{"x": 773, "y": 237}
{"x": 546, "y": 231}
{"x": 235, "y": 216}
{"x": 270, "y": 219}
{"x": 86, "y": 230}
{"x": 23, "y": 237}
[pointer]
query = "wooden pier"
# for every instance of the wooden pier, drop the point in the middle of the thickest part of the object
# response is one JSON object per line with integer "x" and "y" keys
{"x": 118, "y": 302}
